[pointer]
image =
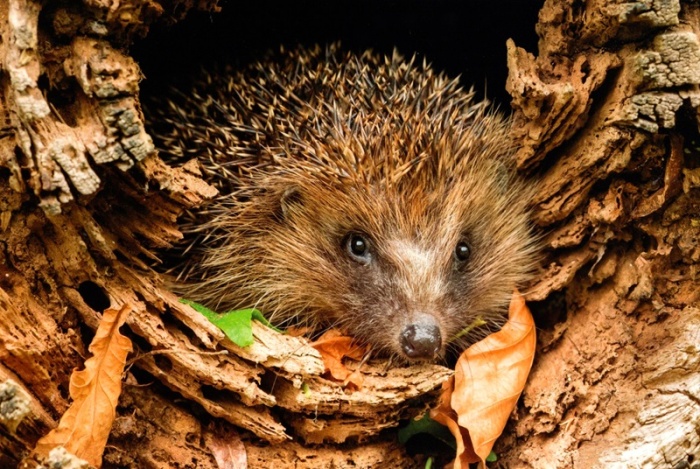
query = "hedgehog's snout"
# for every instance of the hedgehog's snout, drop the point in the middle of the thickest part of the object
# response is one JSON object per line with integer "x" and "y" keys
{"x": 421, "y": 339}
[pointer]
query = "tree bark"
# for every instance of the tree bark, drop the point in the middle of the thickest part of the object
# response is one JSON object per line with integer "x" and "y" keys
{"x": 607, "y": 118}
{"x": 608, "y": 115}
{"x": 85, "y": 206}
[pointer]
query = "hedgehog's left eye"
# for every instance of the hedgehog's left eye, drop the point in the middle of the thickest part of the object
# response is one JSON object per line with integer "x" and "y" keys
{"x": 462, "y": 251}
{"x": 357, "y": 246}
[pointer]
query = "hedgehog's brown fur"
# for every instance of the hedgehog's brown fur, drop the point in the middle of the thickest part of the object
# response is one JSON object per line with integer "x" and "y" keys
{"x": 317, "y": 144}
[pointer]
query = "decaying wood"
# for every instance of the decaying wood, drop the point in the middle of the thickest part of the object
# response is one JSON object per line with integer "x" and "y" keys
{"x": 84, "y": 205}
{"x": 376, "y": 454}
{"x": 606, "y": 114}
{"x": 598, "y": 111}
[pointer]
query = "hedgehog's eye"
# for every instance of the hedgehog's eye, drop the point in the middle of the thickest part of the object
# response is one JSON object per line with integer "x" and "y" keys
{"x": 462, "y": 251}
{"x": 357, "y": 247}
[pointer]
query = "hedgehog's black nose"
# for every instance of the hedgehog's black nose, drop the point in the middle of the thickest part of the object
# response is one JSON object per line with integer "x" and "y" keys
{"x": 421, "y": 339}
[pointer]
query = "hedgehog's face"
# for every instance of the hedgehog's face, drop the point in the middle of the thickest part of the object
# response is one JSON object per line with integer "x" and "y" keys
{"x": 406, "y": 273}
{"x": 406, "y": 284}
{"x": 410, "y": 293}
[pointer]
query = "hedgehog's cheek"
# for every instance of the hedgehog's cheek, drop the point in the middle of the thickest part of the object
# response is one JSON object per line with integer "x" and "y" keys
{"x": 421, "y": 339}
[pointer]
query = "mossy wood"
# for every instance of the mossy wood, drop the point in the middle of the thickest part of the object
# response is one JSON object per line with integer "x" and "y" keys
{"x": 607, "y": 116}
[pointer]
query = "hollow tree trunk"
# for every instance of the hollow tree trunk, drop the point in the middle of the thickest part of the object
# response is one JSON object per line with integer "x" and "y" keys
{"x": 607, "y": 117}
{"x": 85, "y": 204}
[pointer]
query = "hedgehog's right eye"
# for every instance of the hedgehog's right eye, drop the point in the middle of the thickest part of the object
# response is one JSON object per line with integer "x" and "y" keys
{"x": 462, "y": 251}
{"x": 357, "y": 247}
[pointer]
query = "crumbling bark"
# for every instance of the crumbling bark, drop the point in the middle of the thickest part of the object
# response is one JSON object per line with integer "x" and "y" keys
{"x": 607, "y": 117}
{"x": 85, "y": 203}
{"x": 607, "y": 113}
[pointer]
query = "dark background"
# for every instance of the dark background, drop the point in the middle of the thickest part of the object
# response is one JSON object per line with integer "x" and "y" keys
{"x": 465, "y": 38}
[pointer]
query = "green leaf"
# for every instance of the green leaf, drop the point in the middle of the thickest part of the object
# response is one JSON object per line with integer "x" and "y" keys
{"x": 235, "y": 324}
{"x": 429, "y": 426}
{"x": 492, "y": 457}
{"x": 429, "y": 463}
{"x": 258, "y": 316}
{"x": 197, "y": 307}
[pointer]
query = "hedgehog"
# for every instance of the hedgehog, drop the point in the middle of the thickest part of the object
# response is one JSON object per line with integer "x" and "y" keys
{"x": 358, "y": 191}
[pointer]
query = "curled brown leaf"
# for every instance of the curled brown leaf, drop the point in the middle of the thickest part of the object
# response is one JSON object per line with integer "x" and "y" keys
{"x": 489, "y": 378}
{"x": 85, "y": 426}
{"x": 333, "y": 347}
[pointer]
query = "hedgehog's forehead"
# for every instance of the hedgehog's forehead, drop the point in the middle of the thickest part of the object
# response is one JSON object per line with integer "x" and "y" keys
{"x": 392, "y": 212}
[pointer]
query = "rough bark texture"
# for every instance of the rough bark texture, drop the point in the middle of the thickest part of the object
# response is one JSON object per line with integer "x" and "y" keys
{"x": 607, "y": 114}
{"x": 608, "y": 117}
{"x": 85, "y": 203}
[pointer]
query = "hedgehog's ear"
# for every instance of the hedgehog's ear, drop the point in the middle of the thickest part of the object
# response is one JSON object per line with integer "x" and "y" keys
{"x": 291, "y": 201}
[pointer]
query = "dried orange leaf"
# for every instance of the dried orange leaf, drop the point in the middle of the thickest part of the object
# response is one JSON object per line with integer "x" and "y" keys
{"x": 446, "y": 416}
{"x": 298, "y": 331}
{"x": 333, "y": 346}
{"x": 489, "y": 378}
{"x": 85, "y": 426}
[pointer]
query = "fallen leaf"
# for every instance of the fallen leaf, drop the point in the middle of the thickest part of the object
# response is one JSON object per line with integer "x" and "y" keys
{"x": 235, "y": 324}
{"x": 298, "y": 331}
{"x": 85, "y": 426}
{"x": 489, "y": 378}
{"x": 333, "y": 346}
{"x": 444, "y": 414}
